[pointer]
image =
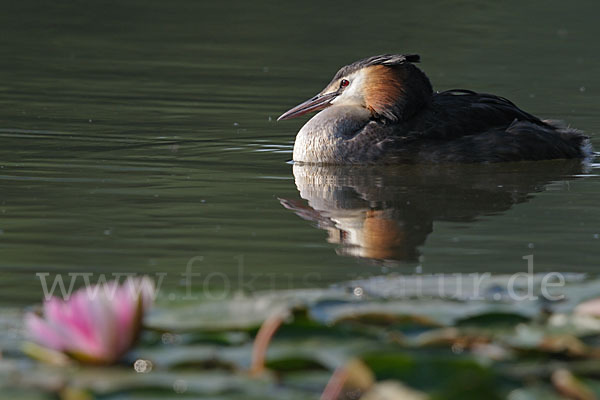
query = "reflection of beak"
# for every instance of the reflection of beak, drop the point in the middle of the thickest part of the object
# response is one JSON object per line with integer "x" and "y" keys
{"x": 318, "y": 102}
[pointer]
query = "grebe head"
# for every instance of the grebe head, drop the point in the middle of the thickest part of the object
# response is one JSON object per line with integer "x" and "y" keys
{"x": 388, "y": 85}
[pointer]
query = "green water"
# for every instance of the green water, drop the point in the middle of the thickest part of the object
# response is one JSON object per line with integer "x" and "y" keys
{"x": 140, "y": 137}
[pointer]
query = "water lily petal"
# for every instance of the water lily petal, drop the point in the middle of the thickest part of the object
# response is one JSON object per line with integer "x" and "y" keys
{"x": 128, "y": 313}
{"x": 96, "y": 324}
{"x": 43, "y": 333}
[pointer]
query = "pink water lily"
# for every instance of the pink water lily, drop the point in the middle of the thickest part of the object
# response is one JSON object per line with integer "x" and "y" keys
{"x": 96, "y": 324}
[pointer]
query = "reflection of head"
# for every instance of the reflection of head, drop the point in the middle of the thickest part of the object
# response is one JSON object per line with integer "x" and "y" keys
{"x": 378, "y": 234}
{"x": 383, "y": 238}
{"x": 386, "y": 213}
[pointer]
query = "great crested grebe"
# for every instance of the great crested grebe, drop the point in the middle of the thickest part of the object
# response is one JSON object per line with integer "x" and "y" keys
{"x": 383, "y": 110}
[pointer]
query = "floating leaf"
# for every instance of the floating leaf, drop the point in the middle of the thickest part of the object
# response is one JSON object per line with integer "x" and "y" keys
{"x": 425, "y": 312}
{"x": 589, "y": 307}
{"x": 392, "y": 390}
{"x": 229, "y": 314}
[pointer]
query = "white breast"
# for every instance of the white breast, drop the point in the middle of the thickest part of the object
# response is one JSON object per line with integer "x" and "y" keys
{"x": 322, "y": 138}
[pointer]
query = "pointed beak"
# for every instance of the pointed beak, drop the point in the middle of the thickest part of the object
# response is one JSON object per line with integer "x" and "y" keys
{"x": 318, "y": 102}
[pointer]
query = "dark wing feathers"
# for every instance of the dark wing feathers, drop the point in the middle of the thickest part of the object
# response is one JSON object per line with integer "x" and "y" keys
{"x": 456, "y": 113}
{"x": 489, "y": 103}
{"x": 465, "y": 126}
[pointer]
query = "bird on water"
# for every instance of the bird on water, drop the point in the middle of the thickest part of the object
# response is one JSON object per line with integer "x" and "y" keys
{"x": 383, "y": 110}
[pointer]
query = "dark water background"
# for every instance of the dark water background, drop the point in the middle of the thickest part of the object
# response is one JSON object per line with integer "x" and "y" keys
{"x": 138, "y": 135}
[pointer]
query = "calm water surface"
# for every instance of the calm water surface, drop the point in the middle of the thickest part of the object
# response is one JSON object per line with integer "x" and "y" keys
{"x": 141, "y": 136}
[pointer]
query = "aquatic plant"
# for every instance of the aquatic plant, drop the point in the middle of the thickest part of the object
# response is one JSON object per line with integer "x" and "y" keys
{"x": 96, "y": 324}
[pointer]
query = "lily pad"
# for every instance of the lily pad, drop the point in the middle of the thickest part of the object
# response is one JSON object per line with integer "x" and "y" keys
{"x": 238, "y": 313}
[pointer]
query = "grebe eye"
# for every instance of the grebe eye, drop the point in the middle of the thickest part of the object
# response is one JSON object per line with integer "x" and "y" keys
{"x": 344, "y": 83}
